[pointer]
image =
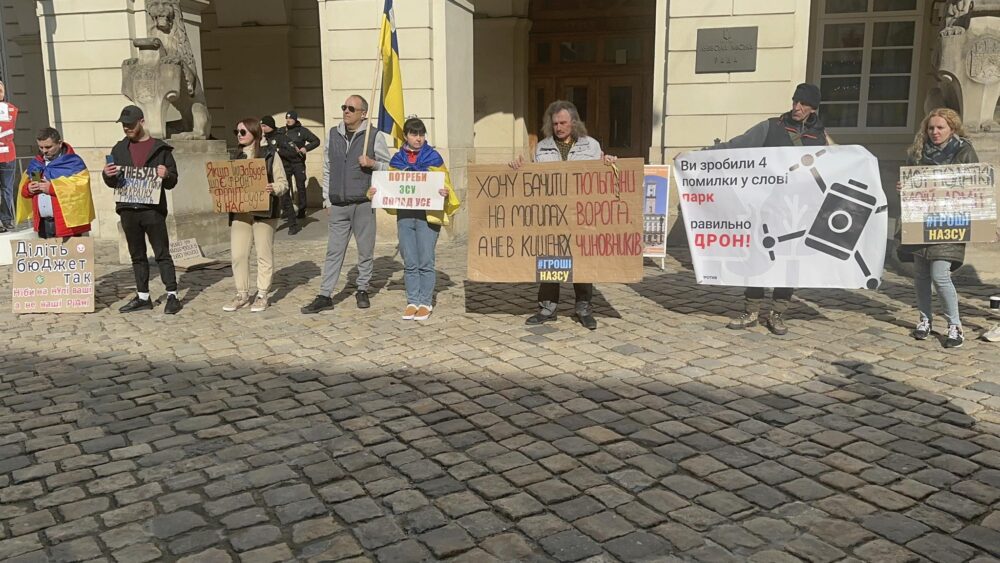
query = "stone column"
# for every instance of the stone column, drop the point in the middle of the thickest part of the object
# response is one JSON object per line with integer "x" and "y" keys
{"x": 436, "y": 48}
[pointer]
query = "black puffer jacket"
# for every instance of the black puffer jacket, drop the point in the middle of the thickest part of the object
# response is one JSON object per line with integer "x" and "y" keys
{"x": 954, "y": 253}
{"x": 162, "y": 153}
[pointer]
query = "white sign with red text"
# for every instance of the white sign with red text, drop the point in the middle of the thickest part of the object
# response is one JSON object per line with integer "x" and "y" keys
{"x": 396, "y": 189}
{"x": 784, "y": 217}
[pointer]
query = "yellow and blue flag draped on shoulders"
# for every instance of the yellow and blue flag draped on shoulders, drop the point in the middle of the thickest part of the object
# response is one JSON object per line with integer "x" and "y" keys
{"x": 391, "y": 115}
{"x": 71, "y": 184}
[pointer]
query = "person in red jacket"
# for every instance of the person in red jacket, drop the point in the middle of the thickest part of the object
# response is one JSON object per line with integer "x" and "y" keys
{"x": 8, "y": 160}
{"x": 56, "y": 188}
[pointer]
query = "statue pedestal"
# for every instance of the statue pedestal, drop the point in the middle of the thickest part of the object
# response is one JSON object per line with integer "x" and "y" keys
{"x": 25, "y": 232}
{"x": 189, "y": 204}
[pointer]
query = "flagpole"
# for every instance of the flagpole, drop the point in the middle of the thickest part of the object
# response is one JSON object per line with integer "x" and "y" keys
{"x": 378, "y": 64}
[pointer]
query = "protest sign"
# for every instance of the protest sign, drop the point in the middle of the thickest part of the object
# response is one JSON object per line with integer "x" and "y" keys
{"x": 138, "y": 184}
{"x": 654, "y": 232}
{"x": 53, "y": 277}
{"x": 187, "y": 255}
{"x": 238, "y": 186}
{"x": 576, "y": 221}
{"x": 784, "y": 217}
{"x": 948, "y": 203}
{"x": 408, "y": 190}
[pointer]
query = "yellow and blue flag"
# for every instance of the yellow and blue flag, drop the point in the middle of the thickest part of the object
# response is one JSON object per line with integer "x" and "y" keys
{"x": 70, "y": 184}
{"x": 391, "y": 114}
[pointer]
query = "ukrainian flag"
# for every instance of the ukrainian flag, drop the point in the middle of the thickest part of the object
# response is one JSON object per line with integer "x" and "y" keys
{"x": 391, "y": 114}
{"x": 71, "y": 184}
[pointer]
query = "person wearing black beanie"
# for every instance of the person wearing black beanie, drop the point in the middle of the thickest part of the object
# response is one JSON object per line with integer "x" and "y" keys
{"x": 797, "y": 127}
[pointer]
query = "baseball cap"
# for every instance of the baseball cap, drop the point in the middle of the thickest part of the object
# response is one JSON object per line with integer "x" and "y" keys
{"x": 292, "y": 115}
{"x": 130, "y": 114}
{"x": 993, "y": 334}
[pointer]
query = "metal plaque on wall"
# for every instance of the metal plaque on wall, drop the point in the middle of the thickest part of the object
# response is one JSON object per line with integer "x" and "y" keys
{"x": 726, "y": 49}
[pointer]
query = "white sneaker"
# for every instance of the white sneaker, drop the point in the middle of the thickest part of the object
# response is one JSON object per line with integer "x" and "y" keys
{"x": 239, "y": 301}
{"x": 259, "y": 304}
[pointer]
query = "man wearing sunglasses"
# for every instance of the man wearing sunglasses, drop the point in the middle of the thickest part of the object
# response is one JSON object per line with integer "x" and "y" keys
{"x": 304, "y": 141}
{"x": 347, "y": 176}
{"x": 140, "y": 220}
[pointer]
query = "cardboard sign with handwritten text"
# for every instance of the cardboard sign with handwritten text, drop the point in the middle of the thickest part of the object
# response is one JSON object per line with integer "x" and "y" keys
{"x": 238, "y": 186}
{"x": 563, "y": 221}
{"x": 138, "y": 184}
{"x": 49, "y": 276}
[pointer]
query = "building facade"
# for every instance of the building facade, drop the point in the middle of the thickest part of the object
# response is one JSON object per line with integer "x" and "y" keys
{"x": 480, "y": 72}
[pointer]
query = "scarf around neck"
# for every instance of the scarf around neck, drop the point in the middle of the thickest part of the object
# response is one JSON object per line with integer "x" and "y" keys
{"x": 944, "y": 154}
{"x": 426, "y": 158}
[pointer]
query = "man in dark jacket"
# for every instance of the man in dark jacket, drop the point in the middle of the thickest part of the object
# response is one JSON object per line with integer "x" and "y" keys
{"x": 304, "y": 141}
{"x": 140, "y": 220}
{"x": 348, "y": 163}
{"x": 289, "y": 153}
{"x": 799, "y": 127}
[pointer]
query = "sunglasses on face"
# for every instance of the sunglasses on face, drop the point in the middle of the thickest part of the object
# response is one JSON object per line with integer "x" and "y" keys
{"x": 349, "y": 109}
{"x": 130, "y": 126}
{"x": 240, "y": 132}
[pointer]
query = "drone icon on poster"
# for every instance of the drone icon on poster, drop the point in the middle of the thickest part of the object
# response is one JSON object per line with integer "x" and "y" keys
{"x": 838, "y": 225}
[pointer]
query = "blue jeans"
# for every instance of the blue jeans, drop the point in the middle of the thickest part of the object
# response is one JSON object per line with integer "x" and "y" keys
{"x": 8, "y": 170}
{"x": 939, "y": 272}
{"x": 417, "y": 239}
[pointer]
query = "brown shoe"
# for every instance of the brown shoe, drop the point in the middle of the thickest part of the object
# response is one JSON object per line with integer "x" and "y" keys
{"x": 423, "y": 313}
{"x": 746, "y": 320}
{"x": 409, "y": 312}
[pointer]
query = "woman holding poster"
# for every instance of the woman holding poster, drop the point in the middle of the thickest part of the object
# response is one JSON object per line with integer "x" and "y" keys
{"x": 257, "y": 227}
{"x": 939, "y": 141}
{"x": 418, "y": 230}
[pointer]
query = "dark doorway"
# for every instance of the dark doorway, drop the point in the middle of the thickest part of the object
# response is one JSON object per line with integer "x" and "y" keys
{"x": 597, "y": 54}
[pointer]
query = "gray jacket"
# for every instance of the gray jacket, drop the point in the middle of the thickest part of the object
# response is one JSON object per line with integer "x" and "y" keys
{"x": 585, "y": 148}
{"x": 344, "y": 181}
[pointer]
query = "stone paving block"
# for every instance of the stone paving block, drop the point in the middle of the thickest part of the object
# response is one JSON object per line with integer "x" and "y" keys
{"x": 604, "y": 526}
{"x": 938, "y": 547}
{"x": 510, "y": 547}
{"x": 570, "y": 545}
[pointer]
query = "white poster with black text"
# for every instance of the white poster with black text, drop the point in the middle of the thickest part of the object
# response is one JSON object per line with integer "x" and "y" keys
{"x": 784, "y": 216}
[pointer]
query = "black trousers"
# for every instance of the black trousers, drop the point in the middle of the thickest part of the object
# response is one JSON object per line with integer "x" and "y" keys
{"x": 139, "y": 224}
{"x": 46, "y": 227}
{"x": 295, "y": 172}
{"x": 548, "y": 297}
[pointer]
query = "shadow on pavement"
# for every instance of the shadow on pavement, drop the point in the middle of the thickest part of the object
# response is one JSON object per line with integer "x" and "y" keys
{"x": 397, "y": 463}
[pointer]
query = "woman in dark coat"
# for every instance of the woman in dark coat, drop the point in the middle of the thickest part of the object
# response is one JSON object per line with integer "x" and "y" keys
{"x": 939, "y": 141}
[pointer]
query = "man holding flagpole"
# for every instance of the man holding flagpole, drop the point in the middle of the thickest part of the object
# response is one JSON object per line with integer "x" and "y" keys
{"x": 348, "y": 162}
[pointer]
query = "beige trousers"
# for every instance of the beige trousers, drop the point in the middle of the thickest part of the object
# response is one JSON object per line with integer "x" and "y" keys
{"x": 244, "y": 232}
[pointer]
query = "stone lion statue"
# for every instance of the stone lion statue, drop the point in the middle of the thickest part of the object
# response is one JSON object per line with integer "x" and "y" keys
{"x": 960, "y": 12}
{"x": 967, "y": 64}
{"x": 154, "y": 82}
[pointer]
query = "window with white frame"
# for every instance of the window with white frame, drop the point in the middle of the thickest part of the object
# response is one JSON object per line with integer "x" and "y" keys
{"x": 867, "y": 56}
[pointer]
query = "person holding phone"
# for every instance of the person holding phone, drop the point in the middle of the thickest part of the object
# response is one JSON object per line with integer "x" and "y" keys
{"x": 55, "y": 189}
{"x": 140, "y": 220}
{"x": 256, "y": 228}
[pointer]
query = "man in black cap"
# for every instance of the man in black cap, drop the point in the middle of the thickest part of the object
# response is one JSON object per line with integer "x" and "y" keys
{"x": 140, "y": 220}
{"x": 796, "y": 128}
{"x": 289, "y": 153}
{"x": 304, "y": 141}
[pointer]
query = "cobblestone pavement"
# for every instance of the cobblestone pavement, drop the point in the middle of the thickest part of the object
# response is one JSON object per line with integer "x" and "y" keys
{"x": 352, "y": 435}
